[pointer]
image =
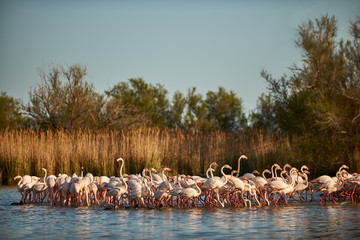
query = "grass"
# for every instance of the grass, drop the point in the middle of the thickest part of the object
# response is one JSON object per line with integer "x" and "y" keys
{"x": 27, "y": 151}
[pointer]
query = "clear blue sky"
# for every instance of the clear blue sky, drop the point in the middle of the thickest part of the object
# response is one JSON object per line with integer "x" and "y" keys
{"x": 179, "y": 44}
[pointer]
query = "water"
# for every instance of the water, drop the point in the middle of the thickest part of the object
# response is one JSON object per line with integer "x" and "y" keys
{"x": 300, "y": 220}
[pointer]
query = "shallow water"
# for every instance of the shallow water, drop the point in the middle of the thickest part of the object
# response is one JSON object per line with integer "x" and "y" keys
{"x": 300, "y": 220}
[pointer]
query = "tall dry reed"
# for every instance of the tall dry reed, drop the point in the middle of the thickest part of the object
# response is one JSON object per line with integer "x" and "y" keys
{"x": 26, "y": 151}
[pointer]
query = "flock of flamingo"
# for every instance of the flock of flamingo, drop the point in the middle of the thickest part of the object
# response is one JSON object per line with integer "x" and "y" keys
{"x": 153, "y": 190}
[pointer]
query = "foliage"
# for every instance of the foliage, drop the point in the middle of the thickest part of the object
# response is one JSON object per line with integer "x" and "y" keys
{"x": 321, "y": 98}
{"x": 147, "y": 105}
{"x": 225, "y": 110}
{"x": 10, "y": 113}
{"x": 64, "y": 99}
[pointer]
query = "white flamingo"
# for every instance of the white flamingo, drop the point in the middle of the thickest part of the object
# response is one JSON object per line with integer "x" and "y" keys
{"x": 238, "y": 169}
{"x": 39, "y": 187}
{"x": 191, "y": 193}
{"x": 216, "y": 183}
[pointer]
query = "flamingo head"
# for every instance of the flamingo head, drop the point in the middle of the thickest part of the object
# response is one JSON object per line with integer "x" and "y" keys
{"x": 287, "y": 166}
{"x": 199, "y": 182}
{"x": 227, "y": 166}
{"x": 153, "y": 170}
{"x": 243, "y": 156}
{"x": 119, "y": 159}
{"x": 214, "y": 164}
{"x": 305, "y": 167}
{"x": 167, "y": 169}
{"x": 17, "y": 177}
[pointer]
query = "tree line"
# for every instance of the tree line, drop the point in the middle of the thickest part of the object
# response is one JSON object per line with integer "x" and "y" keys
{"x": 65, "y": 100}
{"x": 318, "y": 103}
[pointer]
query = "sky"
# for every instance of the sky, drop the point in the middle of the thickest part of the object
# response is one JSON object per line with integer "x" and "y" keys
{"x": 178, "y": 44}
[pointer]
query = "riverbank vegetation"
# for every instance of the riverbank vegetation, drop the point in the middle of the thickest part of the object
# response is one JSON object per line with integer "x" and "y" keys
{"x": 311, "y": 117}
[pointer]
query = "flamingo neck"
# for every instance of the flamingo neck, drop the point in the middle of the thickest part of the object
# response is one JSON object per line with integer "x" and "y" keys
{"x": 207, "y": 173}
{"x": 126, "y": 186}
{"x": 198, "y": 190}
{"x": 163, "y": 175}
{"x": 281, "y": 175}
{"x": 272, "y": 171}
{"x": 45, "y": 175}
{"x": 306, "y": 180}
{"x": 151, "y": 178}
{"x": 121, "y": 167}
{"x": 276, "y": 174}
{"x": 238, "y": 170}
{"x": 20, "y": 181}
{"x": 222, "y": 172}
{"x": 263, "y": 174}
{"x": 168, "y": 184}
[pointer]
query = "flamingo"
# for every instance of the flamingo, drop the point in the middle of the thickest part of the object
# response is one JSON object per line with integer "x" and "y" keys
{"x": 39, "y": 187}
{"x": 163, "y": 194}
{"x": 64, "y": 187}
{"x": 191, "y": 193}
{"x": 23, "y": 183}
{"x": 277, "y": 185}
{"x": 164, "y": 185}
{"x": 273, "y": 168}
{"x": 251, "y": 190}
{"x": 260, "y": 182}
{"x": 211, "y": 169}
{"x": 332, "y": 186}
{"x": 251, "y": 176}
{"x": 238, "y": 169}
{"x": 117, "y": 192}
{"x": 20, "y": 185}
{"x": 216, "y": 183}
{"x": 93, "y": 188}
{"x": 301, "y": 186}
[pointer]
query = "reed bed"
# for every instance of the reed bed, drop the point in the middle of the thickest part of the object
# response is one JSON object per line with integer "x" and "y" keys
{"x": 26, "y": 151}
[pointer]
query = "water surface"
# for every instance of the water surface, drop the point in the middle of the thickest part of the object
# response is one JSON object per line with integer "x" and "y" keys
{"x": 300, "y": 220}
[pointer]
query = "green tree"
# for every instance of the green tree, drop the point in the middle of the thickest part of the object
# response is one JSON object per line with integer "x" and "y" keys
{"x": 145, "y": 104}
{"x": 264, "y": 117}
{"x": 195, "y": 113}
{"x": 10, "y": 113}
{"x": 225, "y": 110}
{"x": 175, "y": 117}
{"x": 64, "y": 99}
{"x": 321, "y": 98}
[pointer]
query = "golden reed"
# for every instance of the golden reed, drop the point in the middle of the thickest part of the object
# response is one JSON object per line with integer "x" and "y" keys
{"x": 27, "y": 151}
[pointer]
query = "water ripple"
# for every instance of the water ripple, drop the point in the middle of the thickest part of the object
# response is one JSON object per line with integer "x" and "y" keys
{"x": 300, "y": 220}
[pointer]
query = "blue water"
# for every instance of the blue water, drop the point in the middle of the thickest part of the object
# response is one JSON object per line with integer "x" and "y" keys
{"x": 300, "y": 220}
